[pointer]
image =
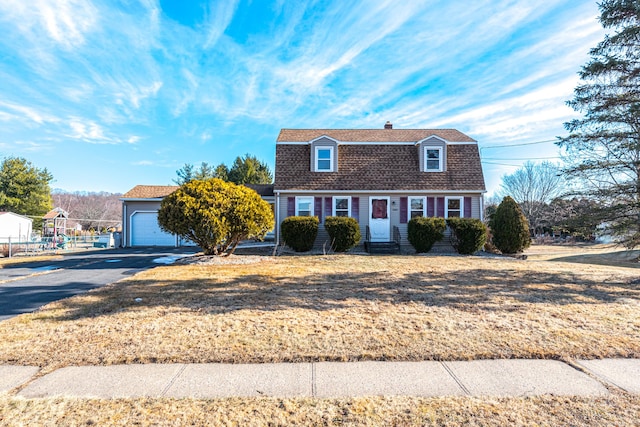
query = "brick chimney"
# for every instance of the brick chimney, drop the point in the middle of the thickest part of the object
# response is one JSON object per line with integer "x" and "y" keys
{"x": 388, "y": 125}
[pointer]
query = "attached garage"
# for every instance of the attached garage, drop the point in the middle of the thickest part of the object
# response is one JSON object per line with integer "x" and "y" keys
{"x": 140, "y": 207}
{"x": 145, "y": 230}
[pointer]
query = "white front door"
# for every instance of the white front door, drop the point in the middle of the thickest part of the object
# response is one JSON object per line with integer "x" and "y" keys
{"x": 379, "y": 221}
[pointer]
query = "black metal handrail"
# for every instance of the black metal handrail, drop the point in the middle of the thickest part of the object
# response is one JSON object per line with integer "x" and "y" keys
{"x": 396, "y": 235}
{"x": 367, "y": 236}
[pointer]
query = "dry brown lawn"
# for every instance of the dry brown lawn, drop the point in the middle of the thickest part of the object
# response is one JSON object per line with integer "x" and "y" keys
{"x": 599, "y": 254}
{"x": 615, "y": 410}
{"x": 314, "y": 308}
{"x": 339, "y": 308}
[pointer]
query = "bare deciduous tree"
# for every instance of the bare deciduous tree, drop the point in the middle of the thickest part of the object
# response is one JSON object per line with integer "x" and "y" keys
{"x": 92, "y": 210}
{"x": 534, "y": 186}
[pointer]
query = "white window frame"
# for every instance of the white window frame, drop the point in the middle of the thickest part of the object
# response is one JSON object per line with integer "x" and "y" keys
{"x": 446, "y": 206}
{"x": 300, "y": 199}
{"x": 440, "y": 158}
{"x": 424, "y": 206}
{"x": 333, "y": 210}
{"x": 317, "y": 159}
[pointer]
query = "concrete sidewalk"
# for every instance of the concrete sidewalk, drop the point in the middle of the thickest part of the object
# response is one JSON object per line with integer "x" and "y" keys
{"x": 329, "y": 379}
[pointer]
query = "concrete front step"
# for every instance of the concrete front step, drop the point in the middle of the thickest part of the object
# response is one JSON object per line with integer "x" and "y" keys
{"x": 382, "y": 247}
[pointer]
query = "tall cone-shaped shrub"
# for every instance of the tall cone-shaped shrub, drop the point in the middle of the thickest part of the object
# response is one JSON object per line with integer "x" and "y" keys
{"x": 509, "y": 227}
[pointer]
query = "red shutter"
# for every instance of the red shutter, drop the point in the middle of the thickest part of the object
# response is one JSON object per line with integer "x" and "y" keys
{"x": 355, "y": 208}
{"x": 291, "y": 206}
{"x": 328, "y": 206}
{"x": 403, "y": 210}
{"x": 317, "y": 207}
{"x": 440, "y": 207}
{"x": 430, "y": 206}
{"x": 467, "y": 207}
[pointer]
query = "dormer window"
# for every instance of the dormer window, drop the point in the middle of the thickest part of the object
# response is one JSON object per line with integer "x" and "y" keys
{"x": 433, "y": 159}
{"x": 324, "y": 159}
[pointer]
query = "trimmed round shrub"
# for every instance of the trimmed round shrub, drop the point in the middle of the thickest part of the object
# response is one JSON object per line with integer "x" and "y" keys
{"x": 343, "y": 231}
{"x": 424, "y": 232}
{"x": 468, "y": 235}
{"x": 299, "y": 232}
{"x": 509, "y": 227}
{"x": 215, "y": 214}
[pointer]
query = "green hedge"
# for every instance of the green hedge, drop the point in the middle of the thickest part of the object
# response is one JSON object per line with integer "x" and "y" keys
{"x": 299, "y": 232}
{"x": 343, "y": 231}
{"x": 468, "y": 235}
{"x": 424, "y": 232}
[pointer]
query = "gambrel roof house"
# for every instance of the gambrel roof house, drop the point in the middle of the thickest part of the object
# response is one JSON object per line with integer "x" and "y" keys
{"x": 381, "y": 177}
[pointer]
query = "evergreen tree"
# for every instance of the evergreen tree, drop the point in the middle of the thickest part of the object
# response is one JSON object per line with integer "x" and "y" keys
{"x": 221, "y": 172}
{"x": 188, "y": 173}
{"x": 509, "y": 227}
{"x": 250, "y": 170}
{"x": 245, "y": 170}
{"x": 603, "y": 147}
{"x": 24, "y": 189}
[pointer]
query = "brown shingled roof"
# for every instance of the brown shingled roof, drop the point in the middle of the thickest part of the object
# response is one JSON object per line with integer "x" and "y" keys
{"x": 150, "y": 191}
{"x": 385, "y": 167}
{"x": 160, "y": 191}
{"x": 372, "y": 135}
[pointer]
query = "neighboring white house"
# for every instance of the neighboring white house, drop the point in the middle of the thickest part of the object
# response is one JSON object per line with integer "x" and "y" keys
{"x": 15, "y": 227}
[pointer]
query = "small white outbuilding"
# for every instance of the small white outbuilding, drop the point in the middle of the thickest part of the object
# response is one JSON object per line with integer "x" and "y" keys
{"x": 14, "y": 227}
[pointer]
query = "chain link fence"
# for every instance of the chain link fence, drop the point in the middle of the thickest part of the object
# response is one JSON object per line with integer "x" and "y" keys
{"x": 10, "y": 247}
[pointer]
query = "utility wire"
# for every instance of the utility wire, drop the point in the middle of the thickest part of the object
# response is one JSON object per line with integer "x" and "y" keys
{"x": 526, "y": 158}
{"x": 518, "y": 145}
{"x": 501, "y": 164}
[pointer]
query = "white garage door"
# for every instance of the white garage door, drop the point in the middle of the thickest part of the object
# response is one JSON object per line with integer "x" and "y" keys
{"x": 145, "y": 231}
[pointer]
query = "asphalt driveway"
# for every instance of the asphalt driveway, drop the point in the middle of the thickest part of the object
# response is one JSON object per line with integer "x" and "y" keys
{"x": 27, "y": 286}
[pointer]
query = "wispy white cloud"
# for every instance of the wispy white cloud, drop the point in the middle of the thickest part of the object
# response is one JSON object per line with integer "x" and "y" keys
{"x": 25, "y": 114}
{"x": 127, "y": 76}
{"x": 219, "y": 16}
{"x": 24, "y": 146}
{"x": 64, "y": 22}
{"x": 92, "y": 132}
{"x": 87, "y": 131}
{"x": 188, "y": 93}
{"x": 517, "y": 117}
{"x": 135, "y": 95}
{"x": 155, "y": 163}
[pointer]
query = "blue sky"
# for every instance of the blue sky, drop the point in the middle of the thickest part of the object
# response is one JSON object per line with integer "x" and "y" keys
{"x": 110, "y": 94}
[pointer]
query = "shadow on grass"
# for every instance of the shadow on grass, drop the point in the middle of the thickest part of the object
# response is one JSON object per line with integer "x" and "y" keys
{"x": 628, "y": 259}
{"x": 495, "y": 290}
